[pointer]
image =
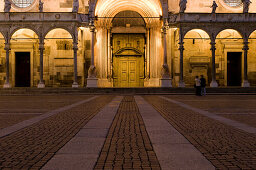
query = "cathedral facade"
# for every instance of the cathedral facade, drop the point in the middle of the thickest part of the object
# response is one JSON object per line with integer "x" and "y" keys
{"x": 127, "y": 43}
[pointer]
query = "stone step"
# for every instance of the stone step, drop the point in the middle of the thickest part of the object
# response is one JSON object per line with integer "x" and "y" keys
{"x": 220, "y": 90}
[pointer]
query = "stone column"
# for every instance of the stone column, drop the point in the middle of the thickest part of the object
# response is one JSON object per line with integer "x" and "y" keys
{"x": 181, "y": 48}
{"x": 213, "y": 49}
{"x": 148, "y": 54}
{"x": 75, "y": 48}
{"x": 7, "y": 81}
{"x": 109, "y": 55}
{"x": 165, "y": 81}
{"x": 92, "y": 80}
{"x": 41, "y": 50}
{"x": 245, "y": 80}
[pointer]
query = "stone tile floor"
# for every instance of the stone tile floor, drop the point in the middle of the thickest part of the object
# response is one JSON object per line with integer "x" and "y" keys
{"x": 133, "y": 137}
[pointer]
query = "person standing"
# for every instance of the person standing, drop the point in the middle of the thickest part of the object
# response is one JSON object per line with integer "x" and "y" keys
{"x": 198, "y": 86}
{"x": 203, "y": 84}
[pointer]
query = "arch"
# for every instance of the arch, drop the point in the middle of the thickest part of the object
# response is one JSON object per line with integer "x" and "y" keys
{"x": 55, "y": 28}
{"x": 235, "y": 32}
{"x": 202, "y": 33}
{"x": 24, "y": 28}
{"x": 138, "y": 21}
{"x": 251, "y": 34}
{"x": 146, "y": 8}
{"x": 2, "y": 35}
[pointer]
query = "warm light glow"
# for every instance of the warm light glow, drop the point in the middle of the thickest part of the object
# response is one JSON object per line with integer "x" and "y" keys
{"x": 200, "y": 34}
{"x": 146, "y": 8}
{"x": 229, "y": 33}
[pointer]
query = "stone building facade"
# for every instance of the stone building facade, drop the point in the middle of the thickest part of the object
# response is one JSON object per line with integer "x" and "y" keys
{"x": 121, "y": 43}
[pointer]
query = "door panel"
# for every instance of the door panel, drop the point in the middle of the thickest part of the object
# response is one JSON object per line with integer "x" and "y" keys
{"x": 128, "y": 67}
{"x": 22, "y": 69}
{"x": 234, "y": 64}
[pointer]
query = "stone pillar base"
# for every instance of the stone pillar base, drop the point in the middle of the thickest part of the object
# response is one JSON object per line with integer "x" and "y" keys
{"x": 181, "y": 84}
{"x": 214, "y": 84}
{"x": 7, "y": 85}
{"x": 92, "y": 82}
{"x": 245, "y": 83}
{"x": 41, "y": 85}
{"x": 165, "y": 82}
{"x": 75, "y": 85}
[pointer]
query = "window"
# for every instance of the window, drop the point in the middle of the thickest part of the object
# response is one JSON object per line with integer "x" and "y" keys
{"x": 22, "y": 3}
{"x": 233, "y": 3}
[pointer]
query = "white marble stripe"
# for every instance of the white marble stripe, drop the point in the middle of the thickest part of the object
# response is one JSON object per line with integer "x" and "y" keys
{"x": 173, "y": 150}
{"x": 26, "y": 123}
{"x": 224, "y": 120}
{"x": 82, "y": 151}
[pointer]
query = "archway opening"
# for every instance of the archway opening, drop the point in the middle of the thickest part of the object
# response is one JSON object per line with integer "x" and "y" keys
{"x": 2, "y": 60}
{"x": 58, "y": 58}
{"x": 24, "y": 58}
{"x": 128, "y": 40}
{"x": 229, "y": 58}
{"x": 197, "y": 56}
{"x": 252, "y": 59}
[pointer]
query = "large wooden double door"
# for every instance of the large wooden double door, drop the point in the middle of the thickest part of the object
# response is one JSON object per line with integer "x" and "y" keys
{"x": 128, "y": 60}
{"x": 128, "y": 72}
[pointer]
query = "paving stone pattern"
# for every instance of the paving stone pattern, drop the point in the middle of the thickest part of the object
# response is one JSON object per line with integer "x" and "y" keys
{"x": 225, "y": 146}
{"x": 249, "y": 119}
{"x": 33, "y": 146}
{"x": 127, "y": 145}
{"x": 11, "y": 119}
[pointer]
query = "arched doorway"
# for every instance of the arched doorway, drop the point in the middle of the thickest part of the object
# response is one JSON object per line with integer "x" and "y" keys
{"x": 2, "y": 60}
{"x": 58, "y": 56}
{"x": 24, "y": 58}
{"x": 229, "y": 58}
{"x": 197, "y": 56}
{"x": 128, "y": 40}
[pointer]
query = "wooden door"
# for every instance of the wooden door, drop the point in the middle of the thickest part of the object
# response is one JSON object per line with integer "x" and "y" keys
{"x": 22, "y": 69}
{"x": 234, "y": 68}
{"x": 128, "y": 60}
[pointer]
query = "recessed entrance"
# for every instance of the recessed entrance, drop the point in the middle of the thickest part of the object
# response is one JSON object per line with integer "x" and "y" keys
{"x": 128, "y": 60}
{"x": 234, "y": 60}
{"x": 22, "y": 69}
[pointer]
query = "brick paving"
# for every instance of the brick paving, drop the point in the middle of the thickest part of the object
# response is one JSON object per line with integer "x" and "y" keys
{"x": 15, "y": 109}
{"x": 127, "y": 145}
{"x": 240, "y": 108}
{"x": 11, "y": 119}
{"x": 249, "y": 119}
{"x": 33, "y": 146}
{"x": 224, "y": 146}
{"x": 220, "y": 103}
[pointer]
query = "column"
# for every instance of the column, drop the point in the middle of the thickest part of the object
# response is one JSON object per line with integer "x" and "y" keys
{"x": 75, "y": 48}
{"x": 7, "y": 82}
{"x": 109, "y": 55}
{"x": 148, "y": 54}
{"x": 165, "y": 81}
{"x": 213, "y": 49}
{"x": 41, "y": 50}
{"x": 245, "y": 80}
{"x": 92, "y": 80}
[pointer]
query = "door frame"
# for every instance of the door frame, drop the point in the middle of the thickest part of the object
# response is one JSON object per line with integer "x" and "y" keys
{"x": 226, "y": 51}
{"x": 13, "y": 63}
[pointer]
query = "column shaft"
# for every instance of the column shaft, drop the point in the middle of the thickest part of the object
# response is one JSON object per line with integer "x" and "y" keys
{"x": 213, "y": 49}
{"x": 75, "y": 48}
{"x": 181, "y": 48}
{"x": 7, "y": 82}
{"x": 245, "y": 80}
{"x": 41, "y": 50}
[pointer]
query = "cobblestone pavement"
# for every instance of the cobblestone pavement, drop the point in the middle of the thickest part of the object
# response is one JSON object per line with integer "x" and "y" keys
{"x": 127, "y": 145}
{"x": 15, "y": 109}
{"x": 33, "y": 146}
{"x": 224, "y": 146}
{"x": 241, "y": 108}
